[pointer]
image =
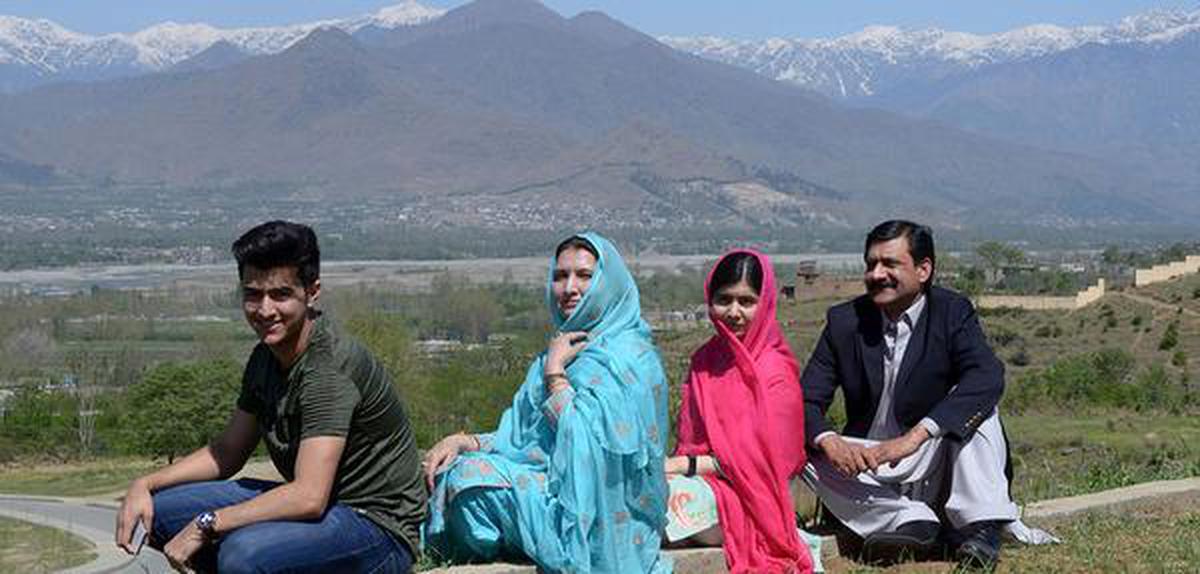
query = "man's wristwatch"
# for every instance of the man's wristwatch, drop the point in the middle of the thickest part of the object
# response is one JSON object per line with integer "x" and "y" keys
{"x": 207, "y": 523}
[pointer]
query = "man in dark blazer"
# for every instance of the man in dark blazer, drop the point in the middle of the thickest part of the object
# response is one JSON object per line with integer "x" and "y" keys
{"x": 922, "y": 451}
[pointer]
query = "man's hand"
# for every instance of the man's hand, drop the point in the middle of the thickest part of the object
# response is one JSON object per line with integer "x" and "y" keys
{"x": 895, "y": 450}
{"x": 179, "y": 550}
{"x": 849, "y": 458}
{"x": 137, "y": 506}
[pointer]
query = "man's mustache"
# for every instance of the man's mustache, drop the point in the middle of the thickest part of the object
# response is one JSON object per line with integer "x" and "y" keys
{"x": 875, "y": 285}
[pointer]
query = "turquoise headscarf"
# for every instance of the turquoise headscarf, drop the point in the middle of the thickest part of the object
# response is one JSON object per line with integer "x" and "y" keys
{"x": 589, "y": 488}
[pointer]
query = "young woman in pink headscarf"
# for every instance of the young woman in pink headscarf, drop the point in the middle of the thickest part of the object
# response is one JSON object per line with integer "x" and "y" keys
{"x": 741, "y": 428}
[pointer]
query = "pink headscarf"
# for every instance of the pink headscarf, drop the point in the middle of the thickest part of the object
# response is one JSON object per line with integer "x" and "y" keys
{"x": 742, "y": 404}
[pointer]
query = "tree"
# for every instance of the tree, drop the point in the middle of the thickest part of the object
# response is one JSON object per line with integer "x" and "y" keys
{"x": 996, "y": 256}
{"x": 29, "y": 349}
{"x": 387, "y": 338}
{"x": 1111, "y": 255}
{"x": 90, "y": 371}
{"x": 465, "y": 312}
{"x": 179, "y": 407}
{"x": 1170, "y": 337}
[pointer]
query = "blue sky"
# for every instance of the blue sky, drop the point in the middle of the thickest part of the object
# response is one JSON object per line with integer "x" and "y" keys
{"x": 730, "y": 18}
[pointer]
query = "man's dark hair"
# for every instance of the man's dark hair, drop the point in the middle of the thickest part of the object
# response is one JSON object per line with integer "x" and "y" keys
{"x": 736, "y": 267}
{"x": 280, "y": 244}
{"x": 920, "y": 241}
{"x": 577, "y": 242}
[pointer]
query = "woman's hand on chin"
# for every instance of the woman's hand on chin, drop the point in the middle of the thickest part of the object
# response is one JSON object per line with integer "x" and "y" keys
{"x": 562, "y": 350}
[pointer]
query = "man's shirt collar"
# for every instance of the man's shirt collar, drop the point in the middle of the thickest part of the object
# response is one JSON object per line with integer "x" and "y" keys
{"x": 909, "y": 316}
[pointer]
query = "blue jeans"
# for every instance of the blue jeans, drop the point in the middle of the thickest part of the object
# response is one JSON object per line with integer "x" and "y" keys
{"x": 342, "y": 540}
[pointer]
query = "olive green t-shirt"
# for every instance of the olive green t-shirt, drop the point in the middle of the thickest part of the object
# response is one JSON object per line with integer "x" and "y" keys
{"x": 336, "y": 388}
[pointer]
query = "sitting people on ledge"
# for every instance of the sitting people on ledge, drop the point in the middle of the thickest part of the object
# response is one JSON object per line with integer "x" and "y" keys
{"x": 353, "y": 498}
{"x": 739, "y": 431}
{"x": 923, "y": 457}
{"x": 573, "y": 477}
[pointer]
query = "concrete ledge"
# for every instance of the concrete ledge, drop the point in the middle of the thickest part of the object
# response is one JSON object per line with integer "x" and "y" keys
{"x": 692, "y": 560}
{"x": 1067, "y": 506}
{"x": 705, "y": 560}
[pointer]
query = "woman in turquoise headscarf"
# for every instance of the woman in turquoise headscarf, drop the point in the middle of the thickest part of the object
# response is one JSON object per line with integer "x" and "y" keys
{"x": 573, "y": 477}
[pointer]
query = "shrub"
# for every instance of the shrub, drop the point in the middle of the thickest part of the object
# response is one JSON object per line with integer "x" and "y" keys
{"x": 1170, "y": 337}
{"x": 1156, "y": 389}
{"x": 1179, "y": 359}
{"x": 1001, "y": 336}
{"x": 179, "y": 407}
{"x": 1019, "y": 358}
{"x": 1098, "y": 378}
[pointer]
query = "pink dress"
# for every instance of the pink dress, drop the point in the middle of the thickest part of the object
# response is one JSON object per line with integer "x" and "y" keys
{"x": 742, "y": 404}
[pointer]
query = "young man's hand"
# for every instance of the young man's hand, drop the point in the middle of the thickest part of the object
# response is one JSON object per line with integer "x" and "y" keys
{"x": 137, "y": 506}
{"x": 179, "y": 550}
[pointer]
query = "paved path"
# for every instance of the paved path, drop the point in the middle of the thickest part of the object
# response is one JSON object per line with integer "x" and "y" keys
{"x": 91, "y": 520}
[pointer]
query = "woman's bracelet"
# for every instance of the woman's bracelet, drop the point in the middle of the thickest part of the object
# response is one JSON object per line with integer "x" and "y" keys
{"x": 691, "y": 469}
{"x": 555, "y": 381}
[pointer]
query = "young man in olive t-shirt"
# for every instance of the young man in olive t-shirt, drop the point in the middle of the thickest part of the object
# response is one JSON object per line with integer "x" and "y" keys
{"x": 353, "y": 499}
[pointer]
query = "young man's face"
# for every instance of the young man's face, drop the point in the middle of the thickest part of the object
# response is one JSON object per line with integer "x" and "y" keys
{"x": 893, "y": 279}
{"x": 276, "y": 305}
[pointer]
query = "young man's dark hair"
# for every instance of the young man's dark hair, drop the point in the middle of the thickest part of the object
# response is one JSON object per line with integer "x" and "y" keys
{"x": 280, "y": 244}
{"x": 920, "y": 242}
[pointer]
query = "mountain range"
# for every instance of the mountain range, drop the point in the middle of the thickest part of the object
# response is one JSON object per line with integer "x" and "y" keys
{"x": 503, "y": 112}
{"x": 37, "y": 52}
{"x": 1127, "y": 93}
{"x": 882, "y": 59}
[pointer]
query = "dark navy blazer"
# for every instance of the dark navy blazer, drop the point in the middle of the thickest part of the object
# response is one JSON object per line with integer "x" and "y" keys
{"x": 949, "y": 372}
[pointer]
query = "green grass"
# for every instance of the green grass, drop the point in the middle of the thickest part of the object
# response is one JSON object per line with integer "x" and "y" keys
{"x": 29, "y": 548}
{"x": 1067, "y": 453}
{"x": 1159, "y": 536}
{"x": 87, "y": 478}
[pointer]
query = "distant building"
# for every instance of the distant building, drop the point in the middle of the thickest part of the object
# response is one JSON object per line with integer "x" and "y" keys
{"x": 806, "y": 275}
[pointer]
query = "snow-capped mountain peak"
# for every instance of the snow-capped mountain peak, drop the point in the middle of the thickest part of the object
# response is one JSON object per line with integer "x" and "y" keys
{"x": 49, "y": 51}
{"x": 858, "y": 64}
{"x": 408, "y": 13}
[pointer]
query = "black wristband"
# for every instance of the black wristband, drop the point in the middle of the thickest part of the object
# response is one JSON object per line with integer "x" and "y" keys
{"x": 691, "y": 469}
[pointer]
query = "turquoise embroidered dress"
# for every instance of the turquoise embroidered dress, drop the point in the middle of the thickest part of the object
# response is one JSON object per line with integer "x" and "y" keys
{"x": 573, "y": 481}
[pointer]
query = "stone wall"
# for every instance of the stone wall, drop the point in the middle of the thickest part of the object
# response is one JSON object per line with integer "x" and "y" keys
{"x": 1167, "y": 271}
{"x": 1039, "y": 303}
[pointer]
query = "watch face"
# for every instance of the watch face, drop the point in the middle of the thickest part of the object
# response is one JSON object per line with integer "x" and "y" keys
{"x": 206, "y": 522}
